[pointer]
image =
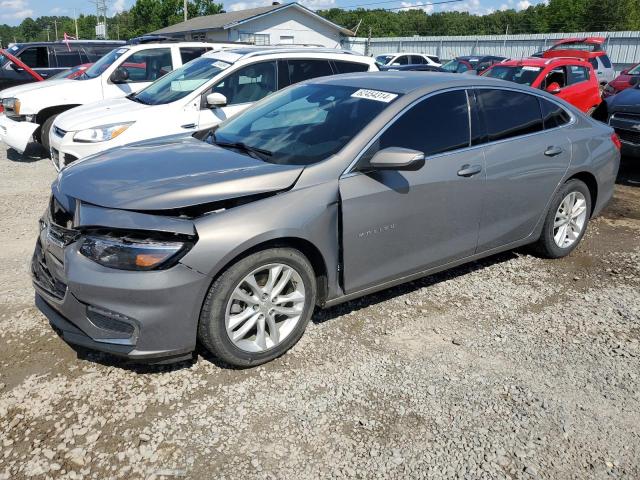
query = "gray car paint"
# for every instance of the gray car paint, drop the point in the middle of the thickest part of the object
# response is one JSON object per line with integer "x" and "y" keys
{"x": 325, "y": 209}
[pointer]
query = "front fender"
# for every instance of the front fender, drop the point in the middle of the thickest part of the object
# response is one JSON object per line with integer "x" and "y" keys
{"x": 310, "y": 214}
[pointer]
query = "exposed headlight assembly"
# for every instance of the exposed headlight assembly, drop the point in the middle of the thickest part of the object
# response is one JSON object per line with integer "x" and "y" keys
{"x": 126, "y": 254}
{"x": 102, "y": 133}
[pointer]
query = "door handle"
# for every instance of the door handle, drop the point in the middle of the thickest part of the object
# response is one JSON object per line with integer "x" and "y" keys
{"x": 553, "y": 151}
{"x": 188, "y": 126}
{"x": 469, "y": 170}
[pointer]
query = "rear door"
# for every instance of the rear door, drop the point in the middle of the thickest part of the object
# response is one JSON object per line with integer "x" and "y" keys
{"x": 524, "y": 163}
{"x": 400, "y": 222}
{"x": 67, "y": 56}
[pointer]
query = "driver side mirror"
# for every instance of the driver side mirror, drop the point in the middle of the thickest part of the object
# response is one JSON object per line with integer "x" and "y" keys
{"x": 553, "y": 88}
{"x": 119, "y": 75}
{"x": 216, "y": 100}
{"x": 397, "y": 158}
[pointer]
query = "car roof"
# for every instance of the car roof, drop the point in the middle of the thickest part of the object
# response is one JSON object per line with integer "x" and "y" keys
{"x": 232, "y": 55}
{"x": 70, "y": 42}
{"x": 543, "y": 62}
{"x": 479, "y": 57}
{"x": 403, "y": 82}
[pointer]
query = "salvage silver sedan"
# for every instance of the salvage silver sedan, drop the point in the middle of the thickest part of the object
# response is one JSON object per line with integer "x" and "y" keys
{"x": 323, "y": 192}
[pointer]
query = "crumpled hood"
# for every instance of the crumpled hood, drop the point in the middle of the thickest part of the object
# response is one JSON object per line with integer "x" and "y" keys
{"x": 16, "y": 91}
{"x": 103, "y": 112}
{"x": 170, "y": 175}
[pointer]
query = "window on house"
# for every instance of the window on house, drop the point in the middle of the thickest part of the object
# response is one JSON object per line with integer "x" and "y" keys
{"x": 255, "y": 38}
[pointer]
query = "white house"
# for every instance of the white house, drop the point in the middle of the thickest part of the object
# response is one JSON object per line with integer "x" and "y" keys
{"x": 276, "y": 24}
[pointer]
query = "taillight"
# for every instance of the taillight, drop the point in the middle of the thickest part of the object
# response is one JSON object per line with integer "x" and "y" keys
{"x": 616, "y": 140}
{"x": 1, "y": 108}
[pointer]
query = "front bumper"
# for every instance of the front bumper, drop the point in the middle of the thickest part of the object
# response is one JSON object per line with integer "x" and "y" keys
{"x": 65, "y": 151}
{"x": 139, "y": 315}
{"x": 16, "y": 135}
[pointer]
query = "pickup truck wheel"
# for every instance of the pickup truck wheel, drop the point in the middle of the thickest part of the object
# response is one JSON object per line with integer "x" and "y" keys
{"x": 566, "y": 220}
{"x": 259, "y": 307}
{"x": 45, "y": 131}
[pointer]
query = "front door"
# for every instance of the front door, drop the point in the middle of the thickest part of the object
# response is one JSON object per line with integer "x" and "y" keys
{"x": 395, "y": 223}
{"x": 142, "y": 68}
{"x": 242, "y": 88}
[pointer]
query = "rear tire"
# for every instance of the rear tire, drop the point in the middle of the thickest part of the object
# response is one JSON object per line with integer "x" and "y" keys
{"x": 247, "y": 318}
{"x": 566, "y": 220}
{"x": 45, "y": 130}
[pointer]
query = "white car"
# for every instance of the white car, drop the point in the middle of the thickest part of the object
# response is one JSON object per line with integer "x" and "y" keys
{"x": 395, "y": 59}
{"x": 193, "y": 98}
{"x": 29, "y": 110}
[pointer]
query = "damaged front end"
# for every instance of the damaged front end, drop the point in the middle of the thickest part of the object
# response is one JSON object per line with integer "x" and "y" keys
{"x": 111, "y": 280}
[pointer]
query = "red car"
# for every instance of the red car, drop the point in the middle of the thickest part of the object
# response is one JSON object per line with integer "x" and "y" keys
{"x": 571, "y": 79}
{"x": 627, "y": 79}
{"x": 589, "y": 49}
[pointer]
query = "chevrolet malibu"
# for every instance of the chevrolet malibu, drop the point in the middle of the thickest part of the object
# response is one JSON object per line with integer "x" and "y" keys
{"x": 323, "y": 192}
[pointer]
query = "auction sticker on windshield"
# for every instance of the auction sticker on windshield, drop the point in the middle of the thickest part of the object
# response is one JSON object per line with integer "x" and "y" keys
{"x": 221, "y": 65}
{"x": 376, "y": 95}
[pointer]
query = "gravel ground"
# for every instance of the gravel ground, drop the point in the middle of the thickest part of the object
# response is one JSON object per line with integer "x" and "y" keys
{"x": 512, "y": 367}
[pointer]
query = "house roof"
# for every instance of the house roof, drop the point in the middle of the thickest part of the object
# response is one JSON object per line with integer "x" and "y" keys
{"x": 224, "y": 21}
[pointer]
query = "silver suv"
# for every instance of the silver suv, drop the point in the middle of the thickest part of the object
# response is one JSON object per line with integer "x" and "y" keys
{"x": 325, "y": 191}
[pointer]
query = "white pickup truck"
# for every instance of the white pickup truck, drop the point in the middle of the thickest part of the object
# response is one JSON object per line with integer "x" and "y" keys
{"x": 29, "y": 110}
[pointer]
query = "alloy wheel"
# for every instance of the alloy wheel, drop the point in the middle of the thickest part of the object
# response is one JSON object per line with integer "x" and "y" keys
{"x": 570, "y": 219}
{"x": 265, "y": 307}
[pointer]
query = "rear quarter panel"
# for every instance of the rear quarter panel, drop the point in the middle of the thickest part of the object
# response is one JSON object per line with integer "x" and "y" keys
{"x": 593, "y": 152}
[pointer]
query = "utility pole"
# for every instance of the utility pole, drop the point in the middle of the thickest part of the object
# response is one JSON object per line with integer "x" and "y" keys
{"x": 355, "y": 31}
{"x": 367, "y": 47}
{"x": 185, "y": 10}
{"x": 55, "y": 24}
{"x": 504, "y": 44}
{"x": 47, "y": 30}
{"x": 75, "y": 19}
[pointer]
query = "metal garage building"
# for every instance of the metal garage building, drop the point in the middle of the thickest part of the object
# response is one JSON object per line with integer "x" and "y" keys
{"x": 275, "y": 24}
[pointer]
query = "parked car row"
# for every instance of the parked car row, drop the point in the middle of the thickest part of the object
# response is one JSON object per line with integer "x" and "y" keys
{"x": 241, "y": 189}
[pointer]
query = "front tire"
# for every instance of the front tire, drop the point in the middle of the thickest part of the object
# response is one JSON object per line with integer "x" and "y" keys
{"x": 566, "y": 221}
{"x": 259, "y": 307}
{"x": 45, "y": 130}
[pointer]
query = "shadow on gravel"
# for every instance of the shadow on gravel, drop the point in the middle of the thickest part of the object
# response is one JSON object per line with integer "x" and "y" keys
{"x": 629, "y": 173}
{"x": 108, "y": 360}
{"x": 321, "y": 316}
{"x": 33, "y": 153}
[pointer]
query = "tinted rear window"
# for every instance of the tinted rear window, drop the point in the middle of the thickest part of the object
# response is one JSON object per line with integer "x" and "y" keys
{"x": 300, "y": 70}
{"x": 350, "y": 67}
{"x": 508, "y": 113}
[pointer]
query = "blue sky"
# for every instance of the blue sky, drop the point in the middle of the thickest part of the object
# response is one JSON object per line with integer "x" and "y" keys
{"x": 13, "y": 12}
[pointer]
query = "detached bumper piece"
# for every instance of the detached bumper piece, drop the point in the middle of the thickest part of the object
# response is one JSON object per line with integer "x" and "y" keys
{"x": 16, "y": 134}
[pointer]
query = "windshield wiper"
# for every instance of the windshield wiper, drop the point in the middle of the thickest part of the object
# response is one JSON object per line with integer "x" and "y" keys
{"x": 134, "y": 98}
{"x": 243, "y": 146}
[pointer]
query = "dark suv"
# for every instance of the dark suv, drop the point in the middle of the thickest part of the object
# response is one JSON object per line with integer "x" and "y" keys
{"x": 49, "y": 58}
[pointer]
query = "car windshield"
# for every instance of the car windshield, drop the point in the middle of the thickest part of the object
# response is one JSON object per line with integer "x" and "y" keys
{"x": 181, "y": 82}
{"x": 101, "y": 65}
{"x": 522, "y": 74}
{"x": 383, "y": 59}
{"x": 635, "y": 70}
{"x": 304, "y": 124}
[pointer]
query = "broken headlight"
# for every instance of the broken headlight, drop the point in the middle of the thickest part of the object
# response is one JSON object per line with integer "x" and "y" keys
{"x": 132, "y": 254}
